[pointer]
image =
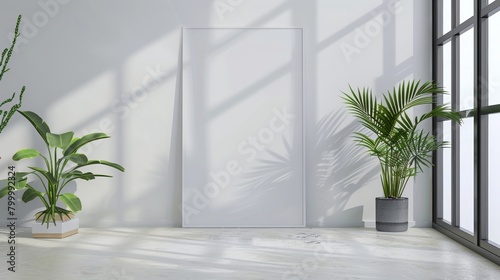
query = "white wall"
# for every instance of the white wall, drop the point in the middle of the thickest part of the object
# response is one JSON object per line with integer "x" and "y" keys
{"x": 113, "y": 66}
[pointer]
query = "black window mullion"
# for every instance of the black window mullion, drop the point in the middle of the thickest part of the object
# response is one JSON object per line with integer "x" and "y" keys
{"x": 455, "y": 90}
{"x": 490, "y": 109}
{"x": 455, "y": 155}
{"x": 455, "y": 9}
{"x": 437, "y": 70}
{"x": 482, "y": 181}
{"x": 490, "y": 9}
{"x": 478, "y": 90}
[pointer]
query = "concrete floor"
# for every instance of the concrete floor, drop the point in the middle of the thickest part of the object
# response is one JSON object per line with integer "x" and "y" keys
{"x": 176, "y": 253}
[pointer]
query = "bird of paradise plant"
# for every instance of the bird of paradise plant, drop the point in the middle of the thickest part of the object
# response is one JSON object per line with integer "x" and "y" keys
{"x": 62, "y": 164}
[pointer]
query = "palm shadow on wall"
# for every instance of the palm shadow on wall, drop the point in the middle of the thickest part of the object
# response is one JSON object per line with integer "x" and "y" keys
{"x": 270, "y": 171}
{"x": 341, "y": 169}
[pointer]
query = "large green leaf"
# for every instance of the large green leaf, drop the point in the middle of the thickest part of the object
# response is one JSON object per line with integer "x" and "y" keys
{"x": 21, "y": 175}
{"x": 102, "y": 175}
{"x": 70, "y": 173}
{"x": 77, "y": 158}
{"x": 25, "y": 153}
{"x": 103, "y": 162}
{"x": 21, "y": 184}
{"x": 84, "y": 141}
{"x": 60, "y": 140}
{"x": 4, "y": 191}
{"x": 38, "y": 123}
{"x": 30, "y": 194}
{"x": 85, "y": 176}
{"x": 40, "y": 195}
{"x": 72, "y": 201}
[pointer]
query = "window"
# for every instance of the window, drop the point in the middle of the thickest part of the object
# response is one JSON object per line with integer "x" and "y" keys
{"x": 467, "y": 173}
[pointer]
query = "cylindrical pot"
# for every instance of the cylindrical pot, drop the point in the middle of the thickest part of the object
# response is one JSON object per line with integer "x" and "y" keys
{"x": 391, "y": 214}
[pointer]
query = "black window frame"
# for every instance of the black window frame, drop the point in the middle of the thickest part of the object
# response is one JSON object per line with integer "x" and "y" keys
{"x": 478, "y": 241}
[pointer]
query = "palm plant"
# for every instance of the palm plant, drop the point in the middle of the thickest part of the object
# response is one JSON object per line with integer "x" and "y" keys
{"x": 396, "y": 139}
{"x": 63, "y": 164}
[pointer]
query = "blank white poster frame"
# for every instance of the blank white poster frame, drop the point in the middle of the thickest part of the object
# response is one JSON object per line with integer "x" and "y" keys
{"x": 243, "y": 127}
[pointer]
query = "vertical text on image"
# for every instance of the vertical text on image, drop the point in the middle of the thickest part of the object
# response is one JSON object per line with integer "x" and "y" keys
{"x": 11, "y": 219}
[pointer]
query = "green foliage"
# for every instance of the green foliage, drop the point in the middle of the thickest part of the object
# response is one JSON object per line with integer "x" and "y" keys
{"x": 62, "y": 165}
{"x": 396, "y": 139}
{"x": 6, "y": 115}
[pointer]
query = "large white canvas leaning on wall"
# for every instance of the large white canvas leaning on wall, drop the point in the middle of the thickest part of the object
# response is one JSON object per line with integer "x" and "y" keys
{"x": 243, "y": 127}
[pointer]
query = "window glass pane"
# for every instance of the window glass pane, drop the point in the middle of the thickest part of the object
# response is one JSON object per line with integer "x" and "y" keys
{"x": 446, "y": 134}
{"x": 447, "y": 72}
{"x": 467, "y": 175}
{"x": 446, "y": 17}
{"x": 467, "y": 70}
{"x": 493, "y": 178}
{"x": 466, "y": 9}
{"x": 494, "y": 59}
{"x": 446, "y": 163}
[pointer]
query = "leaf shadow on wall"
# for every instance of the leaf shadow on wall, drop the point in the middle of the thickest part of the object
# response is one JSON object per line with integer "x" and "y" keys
{"x": 341, "y": 169}
{"x": 272, "y": 170}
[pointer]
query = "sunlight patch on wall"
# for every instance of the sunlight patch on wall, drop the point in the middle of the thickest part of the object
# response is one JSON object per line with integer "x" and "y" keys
{"x": 72, "y": 110}
{"x": 334, "y": 17}
{"x": 145, "y": 63}
{"x": 243, "y": 12}
{"x": 404, "y": 32}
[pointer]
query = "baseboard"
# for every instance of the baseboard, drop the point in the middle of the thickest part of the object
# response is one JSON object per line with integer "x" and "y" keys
{"x": 110, "y": 224}
{"x": 105, "y": 224}
{"x": 336, "y": 224}
{"x": 371, "y": 224}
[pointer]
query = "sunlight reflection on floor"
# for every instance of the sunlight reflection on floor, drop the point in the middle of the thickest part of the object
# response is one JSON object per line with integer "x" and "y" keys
{"x": 213, "y": 253}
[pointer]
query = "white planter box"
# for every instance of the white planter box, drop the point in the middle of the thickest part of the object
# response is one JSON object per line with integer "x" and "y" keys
{"x": 60, "y": 230}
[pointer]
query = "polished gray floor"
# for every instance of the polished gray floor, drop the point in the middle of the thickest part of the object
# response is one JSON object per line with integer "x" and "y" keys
{"x": 176, "y": 253}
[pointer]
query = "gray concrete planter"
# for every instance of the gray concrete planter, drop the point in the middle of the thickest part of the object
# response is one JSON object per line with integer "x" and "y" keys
{"x": 391, "y": 214}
